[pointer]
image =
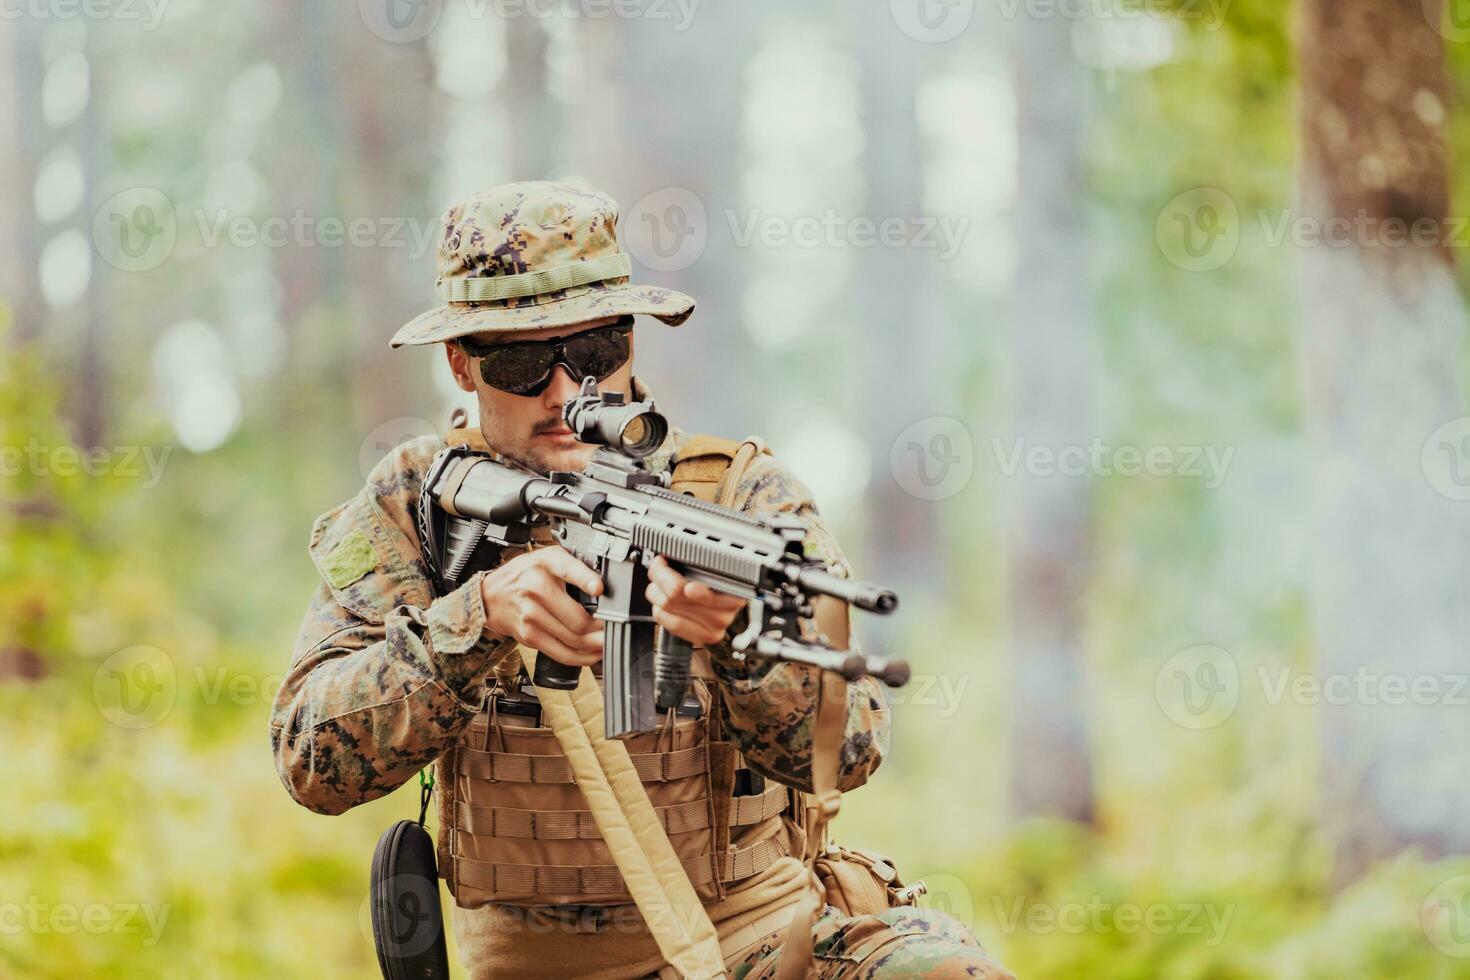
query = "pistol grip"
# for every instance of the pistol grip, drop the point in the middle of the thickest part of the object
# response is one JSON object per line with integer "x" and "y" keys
{"x": 555, "y": 675}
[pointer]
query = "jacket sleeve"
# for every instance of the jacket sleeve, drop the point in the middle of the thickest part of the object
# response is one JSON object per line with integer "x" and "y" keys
{"x": 771, "y": 706}
{"x": 384, "y": 677}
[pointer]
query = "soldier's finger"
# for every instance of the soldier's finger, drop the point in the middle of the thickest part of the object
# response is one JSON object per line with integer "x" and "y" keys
{"x": 710, "y": 616}
{"x": 565, "y": 566}
{"x": 579, "y": 656}
{"x": 704, "y": 595}
{"x": 687, "y": 628}
{"x": 567, "y": 610}
{"x": 662, "y": 574}
{"x": 578, "y": 639}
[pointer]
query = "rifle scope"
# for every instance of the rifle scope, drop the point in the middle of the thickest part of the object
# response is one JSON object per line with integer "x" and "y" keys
{"x": 604, "y": 419}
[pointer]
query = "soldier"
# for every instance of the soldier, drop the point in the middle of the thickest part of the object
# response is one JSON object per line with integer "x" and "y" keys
{"x": 388, "y": 677}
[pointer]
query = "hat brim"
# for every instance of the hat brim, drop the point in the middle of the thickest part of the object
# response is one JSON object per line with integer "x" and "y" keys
{"x": 462, "y": 319}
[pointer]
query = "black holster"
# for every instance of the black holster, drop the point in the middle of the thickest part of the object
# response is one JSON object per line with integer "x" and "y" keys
{"x": 408, "y": 925}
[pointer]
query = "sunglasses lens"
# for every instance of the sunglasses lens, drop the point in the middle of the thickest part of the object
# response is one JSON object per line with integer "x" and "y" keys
{"x": 525, "y": 368}
{"x": 597, "y": 352}
{"x": 516, "y": 368}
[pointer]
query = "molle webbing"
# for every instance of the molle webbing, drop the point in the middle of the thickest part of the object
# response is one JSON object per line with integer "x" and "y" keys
{"x": 509, "y": 767}
{"x": 604, "y": 879}
{"x": 534, "y": 811}
{"x": 681, "y": 818}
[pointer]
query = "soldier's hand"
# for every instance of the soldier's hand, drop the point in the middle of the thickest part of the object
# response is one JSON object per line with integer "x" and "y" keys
{"x": 690, "y": 610}
{"x": 526, "y": 598}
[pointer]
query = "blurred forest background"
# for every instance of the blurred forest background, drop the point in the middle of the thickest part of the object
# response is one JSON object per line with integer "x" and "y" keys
{"x": 1126, "y": 339}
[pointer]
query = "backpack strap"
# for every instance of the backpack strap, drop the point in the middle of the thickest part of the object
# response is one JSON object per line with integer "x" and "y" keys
{"x": 711, "y": 467}
{"x": 641, "y": 851}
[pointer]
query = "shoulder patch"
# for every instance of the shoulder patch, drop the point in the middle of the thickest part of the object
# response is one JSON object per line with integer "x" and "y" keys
{"x": 350, "y": 560}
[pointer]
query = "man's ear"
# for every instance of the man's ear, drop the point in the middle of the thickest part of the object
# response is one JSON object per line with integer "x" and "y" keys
{"x": 459, "y": 366}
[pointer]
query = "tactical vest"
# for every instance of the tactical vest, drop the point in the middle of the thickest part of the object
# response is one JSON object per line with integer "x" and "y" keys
{"x": 517, "y": 830}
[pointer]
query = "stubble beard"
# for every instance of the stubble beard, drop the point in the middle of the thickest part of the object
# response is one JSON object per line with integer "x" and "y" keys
{"x": 525, "y": 454}
{"x": 543, "y": 462}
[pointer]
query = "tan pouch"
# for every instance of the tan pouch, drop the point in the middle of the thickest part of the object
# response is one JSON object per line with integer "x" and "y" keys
{"x": 862, "y": 882}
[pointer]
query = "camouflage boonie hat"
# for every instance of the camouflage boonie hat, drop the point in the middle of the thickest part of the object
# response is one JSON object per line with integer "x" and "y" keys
{"x": 534, "y": 254}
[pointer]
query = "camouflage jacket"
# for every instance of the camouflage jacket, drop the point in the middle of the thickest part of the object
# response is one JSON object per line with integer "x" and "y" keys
{"x": 385, "y": 676}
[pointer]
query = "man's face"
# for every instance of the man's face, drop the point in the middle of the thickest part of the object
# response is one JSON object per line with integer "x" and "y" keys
{"x": 528, "y": 429}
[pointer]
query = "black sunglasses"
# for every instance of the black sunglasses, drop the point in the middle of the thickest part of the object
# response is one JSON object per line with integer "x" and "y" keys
{"x": 524, "y": 367}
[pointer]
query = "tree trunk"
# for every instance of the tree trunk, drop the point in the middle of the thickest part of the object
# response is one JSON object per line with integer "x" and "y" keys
{"x": 20, "y": 63}
{"x": 1383, "y": 330}
{"x": 640, "y": 131}
{"x": 535, "y": 118}
{"x": 902, "y": 325}
{"x": 1050, "y": 753}
{"x": 384, "y": 176}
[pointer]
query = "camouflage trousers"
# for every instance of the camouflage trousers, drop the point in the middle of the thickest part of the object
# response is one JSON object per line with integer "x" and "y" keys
{"x": 898, "y": 942}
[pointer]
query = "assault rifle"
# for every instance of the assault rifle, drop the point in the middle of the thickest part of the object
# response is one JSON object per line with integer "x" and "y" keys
{"x": 617, "y": 516}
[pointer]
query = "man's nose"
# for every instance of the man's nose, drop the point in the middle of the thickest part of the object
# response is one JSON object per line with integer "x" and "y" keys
{"x": 561, "y": 387}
